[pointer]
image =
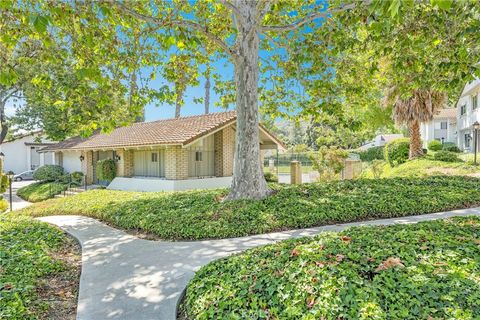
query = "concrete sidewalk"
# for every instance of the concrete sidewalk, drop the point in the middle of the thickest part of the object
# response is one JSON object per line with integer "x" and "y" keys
{"x": 17, "y": 202}
{"x": 124, "y": 277}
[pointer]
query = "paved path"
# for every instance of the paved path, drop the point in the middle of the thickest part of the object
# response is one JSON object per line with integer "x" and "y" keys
{"x": 17, "y": 202}
{"x": 124, "y": 277}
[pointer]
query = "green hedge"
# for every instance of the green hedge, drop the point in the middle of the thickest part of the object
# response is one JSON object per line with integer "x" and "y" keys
{"x": 396, "y": 151}
{"x": 202, "y": 214}
{"x": 452, "y": 147}
{"x": 428, "y": 270}
{"x": 49, "y": 172}
{"x": 435, "y": 145}
{"x": 27, "y": 255}
{"x": 446, "y": 156}
{"x": 374, "y": 153}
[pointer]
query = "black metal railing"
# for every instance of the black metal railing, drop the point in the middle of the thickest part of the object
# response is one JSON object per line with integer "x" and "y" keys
{"x": 67, "y": 186}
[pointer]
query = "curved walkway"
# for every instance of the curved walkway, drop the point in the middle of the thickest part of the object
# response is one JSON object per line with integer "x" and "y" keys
{"x": 124, "y": 277}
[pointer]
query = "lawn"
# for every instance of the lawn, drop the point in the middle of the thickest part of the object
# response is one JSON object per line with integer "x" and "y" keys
{"x": 429, "y": 270}
{"x": 203, "y": 215}
{"x": 286, "y": 169}
{"x": 40, "y": 191}
{"x": 39, "y": 270}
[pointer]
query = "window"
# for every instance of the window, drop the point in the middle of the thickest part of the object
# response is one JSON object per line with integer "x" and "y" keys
{"x": 467, "y": 140}
{"x": 463, "y": 109}
{"x": 198, "y": 156}
{"x": 154, "y": 157}
{"x": 474, "y": 102}
{"x": 443, "y": 125}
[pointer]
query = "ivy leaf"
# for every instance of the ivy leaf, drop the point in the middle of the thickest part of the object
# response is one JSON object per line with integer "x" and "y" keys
{"x": 442, "y": 4}
{"x": 40, "y": 23}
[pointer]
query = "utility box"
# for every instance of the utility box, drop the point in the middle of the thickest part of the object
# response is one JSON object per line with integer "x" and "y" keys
{"x": 295, "y": 172}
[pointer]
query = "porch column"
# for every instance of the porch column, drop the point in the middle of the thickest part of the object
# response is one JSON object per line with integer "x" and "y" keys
{"x": 125, "y": 164}
{"x": 87, "y": 165}
{"x": 176, "y": 163}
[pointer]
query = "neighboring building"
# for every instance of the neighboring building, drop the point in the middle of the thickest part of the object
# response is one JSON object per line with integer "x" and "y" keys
{"x": 177, "y": 154}
{"x": 443, "y": 127}
{"x": 381, "y": 140}
{"x": 22, "y": 152}
{"x": 467, "y": 114}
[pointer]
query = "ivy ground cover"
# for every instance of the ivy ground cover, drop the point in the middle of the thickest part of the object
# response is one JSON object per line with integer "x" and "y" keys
{"x": 203, "y": 214}
{"x": 39, "y": 270}
{"x": 429, "y": 270}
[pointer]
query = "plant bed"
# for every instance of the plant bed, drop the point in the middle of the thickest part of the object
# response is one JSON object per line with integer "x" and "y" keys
{"x": 40, "y": 270}
{"x": 40, "y": 191}
{"x": 428, "y": 270}
{"x": 203, "y": 214}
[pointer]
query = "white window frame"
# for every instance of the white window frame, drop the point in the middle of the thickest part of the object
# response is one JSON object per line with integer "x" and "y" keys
{"x": 475, "y": 101}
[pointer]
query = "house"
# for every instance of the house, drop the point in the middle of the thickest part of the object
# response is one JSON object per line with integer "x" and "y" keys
{"x": 443, "y": 127}
{"x": 193, "y": 152}
{"x": 467, "y": 113}
{"x": 22, "y": 152}
{"x": 381, "y": 140}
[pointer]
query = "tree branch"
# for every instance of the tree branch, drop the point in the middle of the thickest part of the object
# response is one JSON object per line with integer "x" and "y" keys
{"x": 323, "y": 14}
{"x": 180, "y": 23}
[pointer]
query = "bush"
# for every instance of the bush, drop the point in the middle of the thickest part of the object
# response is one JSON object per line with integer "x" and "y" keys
{"x": 374, "y": 153}
{"x": 77, "y": 177}
{"x": 49, "y": 172}
{"x": 200, "y": 214}
{"x": 5, "y": 183}
{"x": 427, "y": 270}
{"x": 435, "y": 145}
{"x": 270, "y": 177}
{"x": 40, "y": 191}
{"x": 396, "y": 151}
{"x": 3, "y": 205}
{"x": 377, "y": 168}
{"x": 452, "y": 147}
{"x": 106, "y": 170}
{"x": 32, "y": 255}
{"x": 446, "y": 156}
{"x": 329, "y": 162}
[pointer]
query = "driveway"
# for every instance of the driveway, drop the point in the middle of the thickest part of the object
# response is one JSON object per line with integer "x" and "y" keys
{"x": 17, "y": 202}
{"x": 124, "y": 277}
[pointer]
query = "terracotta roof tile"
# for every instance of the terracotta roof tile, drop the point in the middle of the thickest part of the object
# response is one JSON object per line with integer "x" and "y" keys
{"x": 162, "y": 132}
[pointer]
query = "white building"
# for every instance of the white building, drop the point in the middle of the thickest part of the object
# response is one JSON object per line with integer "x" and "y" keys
{"x": 467, "y": 113}
{"x": 443, "y": 127}
{"x": 21, "y": 153}
{"x": 381, "y": 140}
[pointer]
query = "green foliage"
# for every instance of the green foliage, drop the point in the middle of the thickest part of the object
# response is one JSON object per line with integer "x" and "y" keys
{"x": 4, "y": 183}
{"x": 40, "y": 191}
{"x": 396, "y": 151}
{"x": 435, "y": 145}
{"x": 329, "y": 162}
{"x": 373, "y": 153}
{"x": 270, "y": 177}
{"x": 106, "y": 170}
{"x": 26, "y": 256}
{"x": 49, "y": 172}
{"x": 452, "y": 147}
{"x": 3, "y": 205}
{"x": 425, "y": 167}
{"x": 377, "y": 167}
{"x": 446, "y": 156}
{"x": 77, "y": 177}
{"x": 416, "y": 271}
{"x": 201, "y": 214}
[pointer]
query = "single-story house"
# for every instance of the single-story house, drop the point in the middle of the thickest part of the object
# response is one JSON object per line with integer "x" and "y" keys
{"x": 381, "y": 140}
{"x": 443, "y": 127}
{"x": 22, "y": 152}
{"x": 194, "y": 152}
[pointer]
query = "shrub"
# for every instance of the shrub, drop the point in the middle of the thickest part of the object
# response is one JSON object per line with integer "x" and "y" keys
{"x": 435, "y": 145}
{"x": 49, "y": 172}
{"x": 270, "y": 177}
{"x": 396, "y": 151}
{"x": 374, "y": 153}
{"x": 106, "y": 170}
{"x": 3, "y": 205}
{"x": 377, "y": 168}
{"x": 77, "y": 177}
{"x": 452, "y": 147}
{"x": 446, "y": 156}
{"x": 200, "y": 214}
{"x": 427, "y": 270}
{"x": 329, "y": 162}
{"x": 40, "y": 191}
{"x": 5, "y": 183}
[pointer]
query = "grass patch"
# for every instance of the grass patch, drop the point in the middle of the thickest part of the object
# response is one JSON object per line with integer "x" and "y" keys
{"x": 429, "y": 270}
{"x": 286, "y": 169}
{"x": 40, "y": 191}
{"x": 202, "y": 215}
{"x": 39, "y": 270}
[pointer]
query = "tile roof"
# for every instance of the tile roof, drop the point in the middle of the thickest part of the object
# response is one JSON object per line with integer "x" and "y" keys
{"x": 446, "y": 113}
{"x": 180, "y": 131}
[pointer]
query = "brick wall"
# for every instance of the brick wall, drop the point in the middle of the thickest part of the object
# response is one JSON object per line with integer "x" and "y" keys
{"x": 87, "y": 165}
{"x": 176, "y": 163}
{"x": 224, "y": 152}
{"x": 125, "y": 164}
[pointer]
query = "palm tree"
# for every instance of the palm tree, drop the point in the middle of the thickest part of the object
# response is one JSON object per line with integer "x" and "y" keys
{"x": 421, "y": 106}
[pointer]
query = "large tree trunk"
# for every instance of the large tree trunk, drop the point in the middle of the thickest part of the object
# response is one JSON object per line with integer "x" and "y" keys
{"x": 416, "y": 149}
{"x": 248, "y": 179}
{"x": 207, "y": 93}
{"x": 3, "y": 122}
